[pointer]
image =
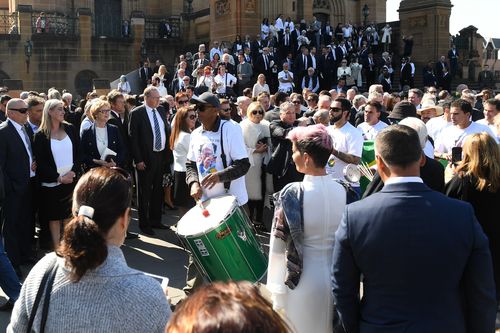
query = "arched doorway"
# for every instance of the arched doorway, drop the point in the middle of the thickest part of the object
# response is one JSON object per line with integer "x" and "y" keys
{"x": 83, "y": 82}
{"x": 330, "y": 10}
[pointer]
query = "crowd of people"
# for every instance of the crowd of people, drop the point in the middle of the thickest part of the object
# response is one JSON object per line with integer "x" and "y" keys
{"x": 427, "y": 262}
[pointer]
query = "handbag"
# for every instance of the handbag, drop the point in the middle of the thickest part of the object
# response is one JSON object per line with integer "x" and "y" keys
{"x": 44, "y": 288}
{"x": 278, "y": 164}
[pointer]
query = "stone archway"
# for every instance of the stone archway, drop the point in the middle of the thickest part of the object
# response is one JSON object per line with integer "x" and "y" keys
{"x": 83, "y": 82}
{"x": 330, "y": 10}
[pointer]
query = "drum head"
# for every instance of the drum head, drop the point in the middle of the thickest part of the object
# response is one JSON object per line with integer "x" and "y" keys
{"x": 194, "y": 223}
{"x": 351, "y": 173}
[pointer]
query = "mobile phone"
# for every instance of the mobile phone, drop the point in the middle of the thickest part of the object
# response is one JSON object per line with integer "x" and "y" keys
{"x": 161, "y": 279}
{"x": 456, "y": 155}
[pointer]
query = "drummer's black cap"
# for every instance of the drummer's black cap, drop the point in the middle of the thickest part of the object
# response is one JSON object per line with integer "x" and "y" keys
{"x": 206, "y": 98}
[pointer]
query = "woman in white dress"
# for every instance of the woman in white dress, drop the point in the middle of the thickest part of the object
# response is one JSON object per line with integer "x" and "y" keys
{"x": 356, "y": 69}
{"x": 306, "y": 217}
{"x": 256, "y": 135}
{"x": 260, "y": 86}
{"x": 264, "y": 29}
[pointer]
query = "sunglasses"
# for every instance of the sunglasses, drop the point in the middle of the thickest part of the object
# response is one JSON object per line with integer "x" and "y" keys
{"x": 310, "y": 100}
{"x": 21, "y": 110}
{"x": 296, "y": 102}
{"x": 335, "y": 109}
{"x": 192, "y": 117}
{"x": 257, "y": 112}
{"x": 226, "y": 110}
{"x": 184, "y": 101}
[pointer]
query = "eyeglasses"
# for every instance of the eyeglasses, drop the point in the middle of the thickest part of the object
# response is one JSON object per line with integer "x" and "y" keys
{"x": 296, "y": 102}
{"x": 226, "y": 110}
{"x": 192, "y": 116}
{"x": 105, "y": 111}
{"x": 257, "y": 112}
{"x": 20, "y": 110}
{"x": 184, "y": 101}
{"x": 335, "y": 109}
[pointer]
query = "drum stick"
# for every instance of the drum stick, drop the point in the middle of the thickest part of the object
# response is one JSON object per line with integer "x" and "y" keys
{"x": 204, "y": 211}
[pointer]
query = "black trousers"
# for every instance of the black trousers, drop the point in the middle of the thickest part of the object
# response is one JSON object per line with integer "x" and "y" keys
{"x": 17, "y": 230}
{"x": 151, "y": 190}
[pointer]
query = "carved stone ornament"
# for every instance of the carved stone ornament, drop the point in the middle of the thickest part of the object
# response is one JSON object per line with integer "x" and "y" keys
{"x": 222, "y": 7}
{"x": 420, "y": 21}
{"x": 321, "y": 4}
{"x": 250, "y": 6}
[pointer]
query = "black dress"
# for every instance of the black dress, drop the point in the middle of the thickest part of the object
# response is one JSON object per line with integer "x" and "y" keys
{"x": 485, "y": 206}
{"x": 56, "y": 201}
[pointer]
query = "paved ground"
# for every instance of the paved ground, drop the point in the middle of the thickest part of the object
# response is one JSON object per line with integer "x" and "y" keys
{"x": 159, "y": 255}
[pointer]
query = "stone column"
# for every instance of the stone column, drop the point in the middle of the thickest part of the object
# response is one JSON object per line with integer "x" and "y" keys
{"x": 428, "y": 21}
{"x": 137, "y": 23}
{"x": 24, "y": 26}
{"x": 231, "y": 17}
{"x": 85, "y": 28}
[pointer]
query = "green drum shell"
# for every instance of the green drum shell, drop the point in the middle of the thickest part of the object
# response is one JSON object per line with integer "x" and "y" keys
{"x": 230, "y": 251}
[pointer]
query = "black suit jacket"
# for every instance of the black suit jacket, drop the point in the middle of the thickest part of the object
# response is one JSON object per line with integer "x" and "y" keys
{"x": 141, "y": 135}
{"x": 46, "y": 169}
{"x": 174, "y": 86}
{"x": 145, "y": 74}
{"x": 88, "y": 147}
{"x": 260, "y": 66}
{"x": 14, "y": 159}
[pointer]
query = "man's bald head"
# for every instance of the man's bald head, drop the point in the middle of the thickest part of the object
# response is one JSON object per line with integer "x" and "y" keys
{"x": 16, "y": 110}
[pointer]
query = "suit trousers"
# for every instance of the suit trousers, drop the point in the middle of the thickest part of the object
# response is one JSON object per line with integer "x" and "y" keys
{"x": 17, "y": 218}
{"x": 9, "y": 282}
{"x": 151, "y": 190}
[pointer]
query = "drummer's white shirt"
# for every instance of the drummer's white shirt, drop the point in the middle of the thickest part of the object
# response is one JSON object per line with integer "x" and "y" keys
{"x": 205, "y": 149}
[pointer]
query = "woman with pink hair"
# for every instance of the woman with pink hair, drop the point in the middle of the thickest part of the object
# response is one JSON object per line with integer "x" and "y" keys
{"x": 306, "y": 217}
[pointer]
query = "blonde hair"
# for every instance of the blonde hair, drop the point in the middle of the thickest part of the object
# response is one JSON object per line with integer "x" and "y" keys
{"x": 253, "y": 106}
{"x": 96, "y": 108}
{"x": 46, "y": 124}
{"x": 481, "y": 160}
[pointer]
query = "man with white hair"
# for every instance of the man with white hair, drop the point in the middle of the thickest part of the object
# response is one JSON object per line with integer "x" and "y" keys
{"x": 243, "y": 102}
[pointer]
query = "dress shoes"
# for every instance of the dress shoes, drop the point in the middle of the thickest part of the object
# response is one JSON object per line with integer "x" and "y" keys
{"x": 131, "y": 235}
{"x": 147, "y": 231}
{"x": 7, "y": 307}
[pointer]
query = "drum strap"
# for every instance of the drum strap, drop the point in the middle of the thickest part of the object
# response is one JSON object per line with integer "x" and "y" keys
{"x": 223, "y": 156}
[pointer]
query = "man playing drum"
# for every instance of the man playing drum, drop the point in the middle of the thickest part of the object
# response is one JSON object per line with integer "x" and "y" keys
{"x": 217, "y": 161}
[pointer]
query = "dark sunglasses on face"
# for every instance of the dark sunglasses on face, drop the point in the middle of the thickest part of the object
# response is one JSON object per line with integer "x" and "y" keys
{"x": 184, "y": 101}
{"x": 20, "y": 110}
{"x": 335, "y": 109}
{"x": 296, "y": 102}
{"x": 310, "y": 100}
{"x": 226, "y": 110}
{"x": 257, "y": 112}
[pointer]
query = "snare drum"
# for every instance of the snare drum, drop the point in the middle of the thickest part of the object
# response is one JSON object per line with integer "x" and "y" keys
{"x": 223, "y": 243}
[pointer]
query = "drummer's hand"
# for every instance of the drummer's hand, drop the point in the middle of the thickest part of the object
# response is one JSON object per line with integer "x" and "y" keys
{"x": 196, "y": 192}
{"x": 210, "y": 180}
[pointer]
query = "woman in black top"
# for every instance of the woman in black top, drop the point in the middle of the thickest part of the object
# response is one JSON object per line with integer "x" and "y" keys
{"x": 55, "y": 147}
{"x": 477, "y": 181}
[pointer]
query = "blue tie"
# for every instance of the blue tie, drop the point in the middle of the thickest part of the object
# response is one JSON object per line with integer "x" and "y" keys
{"x": 157, "y": 132}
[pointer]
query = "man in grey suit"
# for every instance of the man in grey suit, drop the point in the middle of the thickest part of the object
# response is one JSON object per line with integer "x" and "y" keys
{"x": 424, "y": 258}
{"x": 244, "y": 72}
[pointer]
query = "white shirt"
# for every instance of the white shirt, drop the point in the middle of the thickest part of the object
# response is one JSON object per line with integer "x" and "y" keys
{"x": 453, "y": 136}
{"x": 180, "y": 151}
{"x": 214, "y": 51}
{"x": 101, "y": 137}
{"x": 402, "y": 180}
{"x": 369, "y": 131}
{"x": 436, "y": 125}
{"x": 149, "y": 111}
{"x": 223, "y": 81}
{"x": 492, "y": 127}
{"x": 62, "y": 152}
{"x": 205, "y": 149}
{"x": 285, "y": 76}
{"x": 347, "y": 139}
{"x": 19, "y": 129}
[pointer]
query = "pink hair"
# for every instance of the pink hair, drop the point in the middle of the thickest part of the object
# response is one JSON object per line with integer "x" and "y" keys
{"x": 314, "y": 133}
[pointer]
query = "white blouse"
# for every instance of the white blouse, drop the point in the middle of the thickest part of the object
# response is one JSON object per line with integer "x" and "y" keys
{"x": 62, "y": 151}
{"x": 101, "y": 136}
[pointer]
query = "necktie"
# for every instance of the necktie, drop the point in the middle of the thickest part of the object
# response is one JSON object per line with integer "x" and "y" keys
{"x": 286, "y": 40}
{"x": 305, "y": 62}
{"x": 266, "y": 62}
{"x": 157, "y": 139}
{"x": 28, "y": 142}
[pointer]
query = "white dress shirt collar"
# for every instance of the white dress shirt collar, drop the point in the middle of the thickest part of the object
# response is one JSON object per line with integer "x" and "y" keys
{"x": 401, "y": 180}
